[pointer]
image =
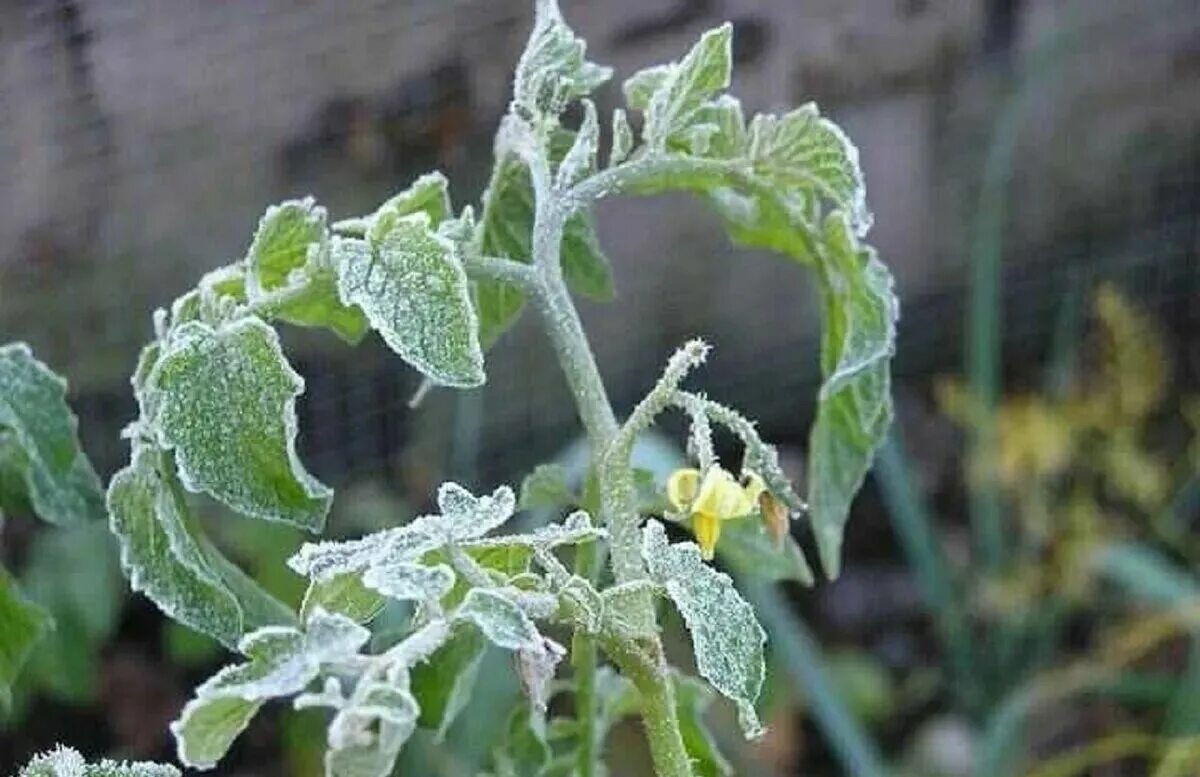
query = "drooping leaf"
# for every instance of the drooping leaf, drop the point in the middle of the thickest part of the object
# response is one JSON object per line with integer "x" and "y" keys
{"x": 546, "y": 487}
{"x": 24, "y": 625}
{"x": 855, "y": 403}
{"x": 802, "y": 150}
{"x": 65, "y": 762}
{"x": 443, "y": 684}
{"x": 283, "y": 661}
{"x": 59, "y": 482}
{"x": 160, "y": 554}
{"x": 726, "y": 637}
{"x": 500, "y": 619}
{"x": 413, "y": 289}
{"x": 553, "y": 70}
{"x": 224, "y": 400}
{"x": 685, "y": 87}
{"x": 365, "y": 738}
{"x": 75, "y": 575}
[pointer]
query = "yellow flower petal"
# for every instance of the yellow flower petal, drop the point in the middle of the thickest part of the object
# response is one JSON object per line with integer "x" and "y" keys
{"x": 682, "y": 487}
{"x": 707, "y": 529}
{"x": 721, "y": 496}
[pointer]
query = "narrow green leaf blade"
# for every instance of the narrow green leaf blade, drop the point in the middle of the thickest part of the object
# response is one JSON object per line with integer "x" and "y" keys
{"x": 413, "y": 289}
{"x": 225, "y": 401}
{"x": 442, "y": 685}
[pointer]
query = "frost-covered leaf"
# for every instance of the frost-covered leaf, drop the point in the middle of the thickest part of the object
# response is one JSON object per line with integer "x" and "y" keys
{"x": 345, "y": 594}
{"x": 281, "y": 243}
{"x": 536, "y": 668}
{"x": 726, "y": 637}
{"x": 365, "y": 738}
{"x": 580, "y": 159}
{"x": 160, "y": 554}
{"x": 43, "y": 447}
{"x": 468, "y": 516}
{"x": 65, "y": 762}
{"x": 641, "y": 86}
{"x": 429, "y": 194}
{"x": 546, "y": 487}
{"x": 803, "y": 150}
{"x": 410, "y": 582}
{"x": 855, "y": 403}
{"x": 316, "y": 303}
{"x": 225, "y": 401}
{"x": 622, "y": 138}
{"x": 500, "y": 619}
{"x": 413, "y": 289}
{"x": 23, "y": 626}
{"x": 507, "y": 231}
{"x": 443, "y": 684}
{"x": 283, "y": 662}
{"x": 683, "y": 88}
{"x": 576, "y": 529}
{"x": 553, "y": 70}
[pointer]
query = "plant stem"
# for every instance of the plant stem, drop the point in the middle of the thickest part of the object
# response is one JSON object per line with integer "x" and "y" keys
{"x": 567, "y": 335}
{"x": 583, "y": 659}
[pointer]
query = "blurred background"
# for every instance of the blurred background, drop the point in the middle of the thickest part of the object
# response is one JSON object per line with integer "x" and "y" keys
{"x": 1018, "y": 567}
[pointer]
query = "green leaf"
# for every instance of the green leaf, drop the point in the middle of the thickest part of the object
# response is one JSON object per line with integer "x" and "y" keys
{"x": 622, "y": 138}
{"x": 580, "y": 160}
{"x": 59, "y": 482}
{"x": 225, "y": 401}
{"x": 854, "y": 406}
{"x": 524, "y": 752}
{"x": 641, "y": 86}
{"x": 345, "y": 594}
{"x": 507, "y": 231}
{"x": 365, "y": 738}
{"x": 24, "y": 625}
{"x": 500, "y": 619}
{"x": 687, "y": 86}
{"x": 692, "y": 700}
{"x": 410, "y": 582}
{"x": 160, "y": 554}
{"x": 281, "y": 243}
{"x": 726, "y": 637}
{"x": 553, "y": 70}
{"x": 65, "y": 762}
{"x": 413, "y": 289}
{"x": 801, "y": 150}
{"x": 283, "y": 661}
{"x": 442, "y": 685}
{"x": 429, "y": 194}
{"x": 76, "y": 576}
{"x": 747, "y": 547}
{"x": 546, "y": 487}
{"x": 316, "y": 303}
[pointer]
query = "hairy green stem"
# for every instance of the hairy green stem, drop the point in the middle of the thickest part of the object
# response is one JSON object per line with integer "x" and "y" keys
{"x": 618, "y": 505}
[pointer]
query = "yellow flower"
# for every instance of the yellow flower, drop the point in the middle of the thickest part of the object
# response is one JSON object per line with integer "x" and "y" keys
{"x": 710, "y": 498}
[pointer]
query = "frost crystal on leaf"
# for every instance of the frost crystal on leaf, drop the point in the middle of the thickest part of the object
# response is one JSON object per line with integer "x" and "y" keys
{"x": 225, "y": 401}
{"x": 65, "y": 762}
{"x": 500, "y": 619}
{"x": 726, "y": 637}
{"x": 412, "y": 582}
{"x": 553, "y": 70}
{"x": 410, "y": 283}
